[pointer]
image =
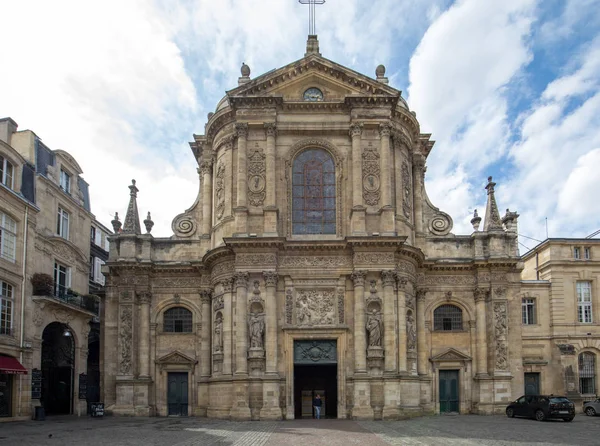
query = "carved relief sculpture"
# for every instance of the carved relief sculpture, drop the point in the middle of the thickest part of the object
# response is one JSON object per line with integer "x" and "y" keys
{"x": 125, "y": 339}
{"x": 256, "y": 178}
{"x": 411, "y": 331}
{"x": 406, "y": 191}
{"x": 501, "y": 331}
{"x": 315, "y": 307}
{"x": 220, "y": 190}
{"x": 218, "y": 331}
{"x": 371, "y": 172}
{"x": 341, "y": 297}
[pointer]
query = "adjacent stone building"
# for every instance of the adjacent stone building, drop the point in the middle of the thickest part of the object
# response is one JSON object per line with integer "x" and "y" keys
{"x": 312, "y": 261}
{"x": 45, "y": 308}
{"x": 560, "y": 318}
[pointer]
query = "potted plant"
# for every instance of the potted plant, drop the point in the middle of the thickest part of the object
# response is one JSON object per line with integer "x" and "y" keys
{"x": 43, "y": 284}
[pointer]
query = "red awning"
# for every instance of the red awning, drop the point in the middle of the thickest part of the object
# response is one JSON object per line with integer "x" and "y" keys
{"x": 11, "y": 366}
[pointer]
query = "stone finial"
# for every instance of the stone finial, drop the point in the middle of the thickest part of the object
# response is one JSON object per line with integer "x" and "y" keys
{"x": 380, "y": 74}
{"x": 116, "y": 223}
{"x": 509, "y": 221}
{"x": 245, "y": 78}
{"x": 148, "y": 223}
{"x": 132, "y": 218}
{"x": 492, "y": 216}
{"x": 476, "y": 221}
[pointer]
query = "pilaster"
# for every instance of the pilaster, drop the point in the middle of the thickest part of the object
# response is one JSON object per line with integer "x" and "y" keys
{"x": 271, "y": 213}
{"x": 358, "y": 214}
{"x": 421, "y": 334}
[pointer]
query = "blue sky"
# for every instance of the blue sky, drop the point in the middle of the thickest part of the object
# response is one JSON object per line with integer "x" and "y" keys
{"x": 508, "y": 88}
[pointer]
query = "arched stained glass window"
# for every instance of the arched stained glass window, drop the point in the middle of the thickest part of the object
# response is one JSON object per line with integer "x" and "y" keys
{"x": 313, "y": 193}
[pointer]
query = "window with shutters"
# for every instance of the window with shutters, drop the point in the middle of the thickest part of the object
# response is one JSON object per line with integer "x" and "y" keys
{"x": 8, "y": 237}
{"x": 587, "y": 373}
{"x": 447, "y": 318}
{"x": 313, "y": 193}
{"x": 6, "y": 308}
{"x": 98, "y": 276}
{"x": 177, "y": 320}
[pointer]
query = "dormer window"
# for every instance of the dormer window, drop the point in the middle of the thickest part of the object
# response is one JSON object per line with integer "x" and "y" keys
{"x": 6, "y": 172}
{"x": 65, "y": 181}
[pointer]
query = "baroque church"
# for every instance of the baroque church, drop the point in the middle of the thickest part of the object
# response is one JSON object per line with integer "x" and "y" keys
{"x": 312, "y": 261}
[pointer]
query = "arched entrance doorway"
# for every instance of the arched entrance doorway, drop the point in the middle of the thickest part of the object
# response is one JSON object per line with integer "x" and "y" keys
{"x": 58, "y": 355}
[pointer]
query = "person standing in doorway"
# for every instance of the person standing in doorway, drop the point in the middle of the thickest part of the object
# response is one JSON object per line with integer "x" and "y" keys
{"x": 317, "y": 405}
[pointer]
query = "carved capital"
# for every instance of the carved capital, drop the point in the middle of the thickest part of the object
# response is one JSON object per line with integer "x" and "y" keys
{"x": 241, "y": 280}
{"x": 388, "y": 277}
{"x": 144, "y": 297}
{"x": 205, "y": 296}
{"x": 227, "y": 285}
{"x": 385, "y": 130}
{"x": 421, "y": 293}
{"x": 356, "y": 130}
{"x": 270, "y": 278}
{"x": 271, "y": 129}
{"x": 418, "y": 162}
{"x": 402, "y": 282}
{"x": 241, "y": 129}
{"x": 500, "y": 292}
{"x": 359, "y": 278}
{"x": 206, "y": 167}
{"x": 481, "y": 294}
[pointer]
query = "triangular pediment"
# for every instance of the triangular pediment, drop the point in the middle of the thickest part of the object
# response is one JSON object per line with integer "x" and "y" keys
{"x": 450, "y": 355}
{"x": 176, "y": 357}
{"x": 291, "y": 81}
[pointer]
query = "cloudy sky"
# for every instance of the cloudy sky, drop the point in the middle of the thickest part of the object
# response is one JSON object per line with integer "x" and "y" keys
{"x": 509, "y": 88}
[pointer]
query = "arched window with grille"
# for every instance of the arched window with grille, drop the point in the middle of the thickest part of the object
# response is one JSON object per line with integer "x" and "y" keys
{"x": 177, "y": 320}
{"x": 587, "y": 373}
{"x": 313, "y": 193}
{"x": 447, "y": 318}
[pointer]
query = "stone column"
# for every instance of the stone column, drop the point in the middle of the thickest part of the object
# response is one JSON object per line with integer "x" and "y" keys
{"x": 241, "y": 341}
{"x": 144, "y": 298}
{"x": 241, "y": 210}
{"x": 270, "y": 209}
{"x": 402, "y": 335}
{"x": 240, "y": 409}
{"x": 271, "y": 409}
{"x": 386, "y": 185}
{"x": 242, "y": 176}
{"x": 389, "y": 320}
{"x": 205, "y": 339}
{"x": 358, "y": 215}
{"x": 481, "y": 295}
{"x": 418, "y": 178}
{"x": 206, "y": 169}
{"x": 421, "y": 335}
{"x": 360, "y": 341}
{"x": 355, "y": 134}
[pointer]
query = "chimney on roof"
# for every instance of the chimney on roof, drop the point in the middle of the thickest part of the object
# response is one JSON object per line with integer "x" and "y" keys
{"x": 7, "y": 128}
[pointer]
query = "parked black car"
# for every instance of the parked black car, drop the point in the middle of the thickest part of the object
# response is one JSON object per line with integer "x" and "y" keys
{"x": 541, "y": 407}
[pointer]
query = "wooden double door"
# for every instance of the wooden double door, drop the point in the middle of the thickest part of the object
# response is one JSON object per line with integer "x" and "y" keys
{"x": 177, "y": 394}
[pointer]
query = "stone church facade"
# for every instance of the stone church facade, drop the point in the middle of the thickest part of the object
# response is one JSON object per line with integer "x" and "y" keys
{"x": 312, "y": 261}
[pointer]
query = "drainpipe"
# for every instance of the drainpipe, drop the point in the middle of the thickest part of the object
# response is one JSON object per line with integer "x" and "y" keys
{"x": 22, "y": 328}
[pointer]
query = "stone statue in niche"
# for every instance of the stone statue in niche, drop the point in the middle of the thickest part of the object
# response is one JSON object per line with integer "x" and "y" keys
{"x": 256, "y": 330}
{"x": 411, "y": 331}
{"x": 218, "y": 333}
{"x": 374, "y": 329}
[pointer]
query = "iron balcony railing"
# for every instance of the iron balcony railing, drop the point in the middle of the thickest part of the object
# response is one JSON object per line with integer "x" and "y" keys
{"x": 88, "y": 303}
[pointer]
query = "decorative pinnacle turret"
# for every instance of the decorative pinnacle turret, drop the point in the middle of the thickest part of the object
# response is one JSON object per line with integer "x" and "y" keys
{"x": 476, "y": 221}
{"x": 116, "y": 223}
{"x": 492, "y": 216}
{"x": 132, "y": 218}
{"x": 148, "y": 223}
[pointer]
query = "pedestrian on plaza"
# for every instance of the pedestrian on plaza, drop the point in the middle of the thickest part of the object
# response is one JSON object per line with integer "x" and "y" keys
{"x": 317, "y": 405}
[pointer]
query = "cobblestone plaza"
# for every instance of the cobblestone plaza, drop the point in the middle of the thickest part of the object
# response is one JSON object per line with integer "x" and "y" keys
{"x": 433, "y": 430}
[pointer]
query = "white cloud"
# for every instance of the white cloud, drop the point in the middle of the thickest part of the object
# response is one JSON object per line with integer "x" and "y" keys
{"x": 579, "y": 196}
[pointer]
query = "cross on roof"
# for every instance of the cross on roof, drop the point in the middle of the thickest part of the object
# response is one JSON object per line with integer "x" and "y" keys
{"x": 311, "y": 14}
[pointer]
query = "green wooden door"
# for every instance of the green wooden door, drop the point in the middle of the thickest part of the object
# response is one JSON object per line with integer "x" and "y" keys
{"x": 449, "y": 391}
{"x": 177, "y": 394}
